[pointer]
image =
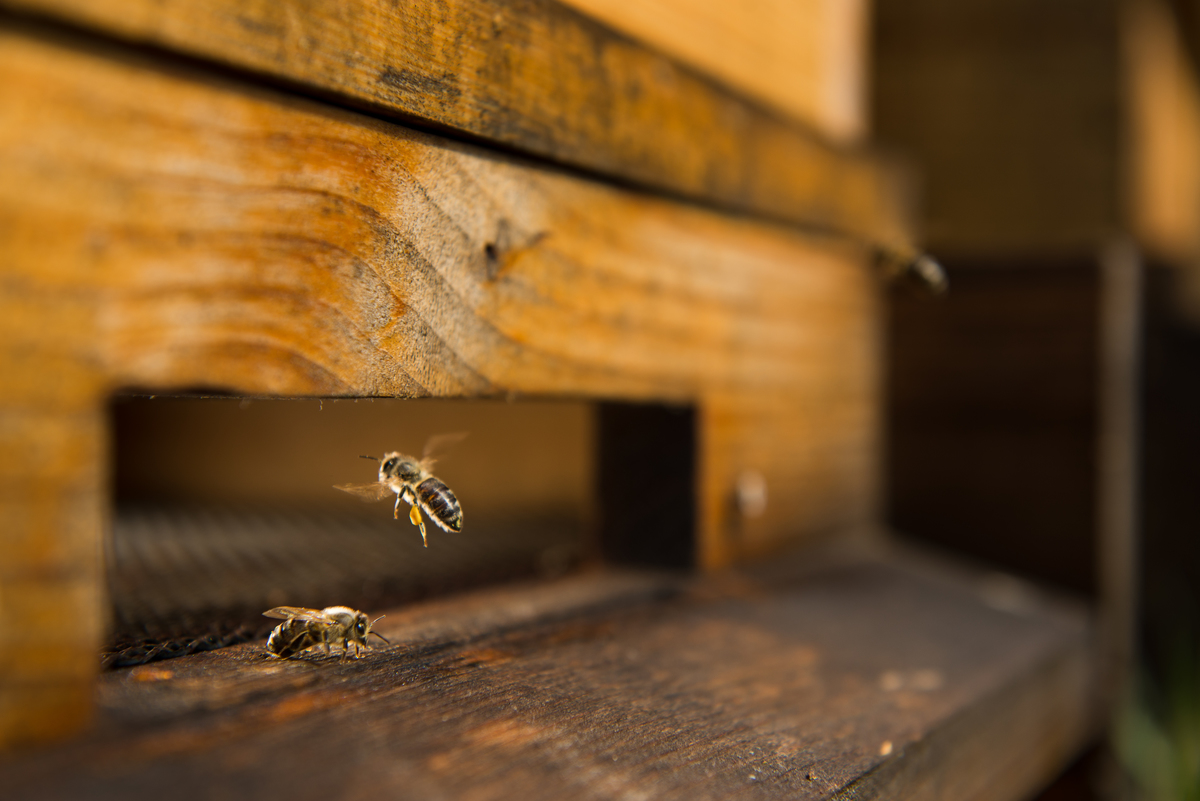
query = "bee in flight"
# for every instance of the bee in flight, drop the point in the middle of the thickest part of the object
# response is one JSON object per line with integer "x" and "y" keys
{"x": 412, "y": 482}
{"x": 302, "y": 629}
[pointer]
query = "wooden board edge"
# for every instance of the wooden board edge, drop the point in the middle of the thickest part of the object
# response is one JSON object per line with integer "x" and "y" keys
{"x": 612, "y": 107}
{"x": 1004, "y": 748}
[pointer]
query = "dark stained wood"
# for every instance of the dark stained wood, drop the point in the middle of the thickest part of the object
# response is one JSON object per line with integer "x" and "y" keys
{"x": 993, "y": 412}
{"x": 1011, "y": 110}
{"x": 855, "y": 677}
{"x": 1168, "y": 604}
{"x": 533, "y": 76}
{"x": 1119, "y": 456}
{"x": 1052, "y": 137}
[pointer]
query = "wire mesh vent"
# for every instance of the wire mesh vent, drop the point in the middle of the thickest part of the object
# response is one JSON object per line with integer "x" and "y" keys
{"x": 184, "y": 580}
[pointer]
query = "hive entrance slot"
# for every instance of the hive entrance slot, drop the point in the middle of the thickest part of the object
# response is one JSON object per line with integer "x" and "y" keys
{"x": 225, "y": 508}
{"x": 647, "y": 481}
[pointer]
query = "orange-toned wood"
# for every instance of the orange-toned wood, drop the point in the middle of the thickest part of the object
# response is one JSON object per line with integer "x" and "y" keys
{"x": 806, "y": 58}
{"x": 52, "y": 462}
{"x": 1164, "y": 141}
{"x": 164, "y": 229}
{"x": 1164, "y": 111}
{"x": 753, "y": 435}
{"x": 533, "y": 76}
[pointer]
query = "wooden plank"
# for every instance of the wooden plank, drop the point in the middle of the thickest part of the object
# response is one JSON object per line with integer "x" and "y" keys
{"x": 1164, "y": 120}
{"x": 993, "y": 417}
{"x": 289, "y": 250}
{"x": 854, "y": 678}
{"x": 1119, "y": 364}
{"x": 53, "y": 449}
{"x": 535, "y": 77}
{"x": 806, "y": 58}
{"x": 205, "y": 234}
{"x": 751, "y": 437}
{"x": 1159, "y": 78}
{"x": 1011, "y": 109}
{"x": 1168, "y": 563}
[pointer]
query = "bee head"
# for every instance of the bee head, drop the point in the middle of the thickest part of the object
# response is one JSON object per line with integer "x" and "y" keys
{"x": 362, "y": 627}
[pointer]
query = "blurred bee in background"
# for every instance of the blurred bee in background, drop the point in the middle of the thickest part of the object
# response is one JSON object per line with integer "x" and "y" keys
{"x": 412, "y": 482}
{"x": 302, "y": 629}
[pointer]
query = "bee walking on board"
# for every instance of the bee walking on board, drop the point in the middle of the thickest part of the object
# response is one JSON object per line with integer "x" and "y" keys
{"x": 302, "y": 629}
{"x": 412, "y": 482}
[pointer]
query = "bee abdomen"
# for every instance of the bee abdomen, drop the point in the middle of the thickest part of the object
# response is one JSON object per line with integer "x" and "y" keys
{"x": 289, "y": 638}
{"x": 441, "y": 505}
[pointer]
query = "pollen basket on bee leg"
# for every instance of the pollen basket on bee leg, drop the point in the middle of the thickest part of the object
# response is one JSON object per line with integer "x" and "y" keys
{"x": 414, "y": 514}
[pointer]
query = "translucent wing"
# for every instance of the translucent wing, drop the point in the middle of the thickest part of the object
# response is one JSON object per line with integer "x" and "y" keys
{"x": 439, "y": 443}
{"x": 296, "y": 613}
{"x": 368, "y": 492}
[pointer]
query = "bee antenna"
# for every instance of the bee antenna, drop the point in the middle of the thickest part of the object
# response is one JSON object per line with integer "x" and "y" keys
{"x": 376, "y": 633}
{"x": 372, "y": 458}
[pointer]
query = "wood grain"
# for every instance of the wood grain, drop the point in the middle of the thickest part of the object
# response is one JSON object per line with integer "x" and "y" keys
{"x": 162, "y": 229}
{"x": 241, "y": 241}
{"x": 739, "y": 686}
{"x": 533, "y": 76}
{"x": 53, "y": 448}
{"x": 806, "y": 58}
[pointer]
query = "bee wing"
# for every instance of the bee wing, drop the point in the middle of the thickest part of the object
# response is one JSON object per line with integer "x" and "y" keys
{"x": 295, "y": 613}
{"x": 374, "y": 491}
{"x": 439, "y": 443}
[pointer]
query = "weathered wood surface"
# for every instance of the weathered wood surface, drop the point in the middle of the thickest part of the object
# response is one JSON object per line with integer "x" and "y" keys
{"x": 163, "y": 229}
{"x": 806, "y": 58}
{"x": 221, "y": 237}
{"x": 857, "y": 679}
{"x": 533, "y": 76}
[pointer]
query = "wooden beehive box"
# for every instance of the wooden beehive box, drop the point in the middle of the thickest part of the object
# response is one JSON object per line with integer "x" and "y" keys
{"x": 465, "y": 200}
{"x": 1062, "y": 189}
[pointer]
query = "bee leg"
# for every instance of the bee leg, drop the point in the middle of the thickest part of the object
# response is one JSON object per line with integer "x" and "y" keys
{"x": 414, "y": 514}
{"x": 396, "y": 510}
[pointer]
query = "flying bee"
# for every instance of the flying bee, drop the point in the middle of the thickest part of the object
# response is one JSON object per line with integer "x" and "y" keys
{"x": 302, "y": 629}
{"x": 412, "y": 482}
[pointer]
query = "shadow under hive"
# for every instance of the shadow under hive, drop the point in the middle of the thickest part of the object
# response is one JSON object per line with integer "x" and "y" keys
{"x": 184, "y": 580}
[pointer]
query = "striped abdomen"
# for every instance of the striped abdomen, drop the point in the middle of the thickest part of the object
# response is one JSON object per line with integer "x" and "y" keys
{"x": 290, "y": 638}
{"x": 439, "y": 503}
